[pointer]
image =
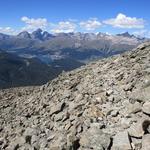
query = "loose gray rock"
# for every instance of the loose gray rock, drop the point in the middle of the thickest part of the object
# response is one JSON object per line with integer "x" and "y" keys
{"x": 121, "y": 141}
{"x": 136, "y": 143}
{"x": 141, "y": 95}
{"x": 114, "y": 113}
{"x": 136, "y": 130}
{"x": 134, "y": 108}
{"x": 146, "y": 108}
{"x": 94, "y": 138}
{"x": 146, "y": 142}
{"x": 57, "y": 108}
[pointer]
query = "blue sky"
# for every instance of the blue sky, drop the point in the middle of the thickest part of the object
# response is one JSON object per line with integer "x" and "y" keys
{"x": 112, "y": 16}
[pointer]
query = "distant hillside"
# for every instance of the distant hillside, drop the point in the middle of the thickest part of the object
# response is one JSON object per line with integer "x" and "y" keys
{"x": 66, "y": 64}
{"x": 18, "y": 71}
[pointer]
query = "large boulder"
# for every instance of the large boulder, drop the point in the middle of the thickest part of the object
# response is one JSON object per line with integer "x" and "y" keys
{"x": 94, "y": 138}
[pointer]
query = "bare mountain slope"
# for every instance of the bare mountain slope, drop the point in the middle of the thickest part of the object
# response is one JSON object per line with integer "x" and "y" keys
{"x": 17, "y": 71}
{"x": 104, "y": 105}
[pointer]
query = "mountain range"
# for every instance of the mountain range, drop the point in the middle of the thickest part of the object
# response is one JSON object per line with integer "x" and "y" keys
{"x": 80, "y": 46}
{"x": 44, "y": 55}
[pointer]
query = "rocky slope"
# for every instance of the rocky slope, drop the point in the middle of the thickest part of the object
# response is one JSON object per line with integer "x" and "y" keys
{"x": 104, "y": 105}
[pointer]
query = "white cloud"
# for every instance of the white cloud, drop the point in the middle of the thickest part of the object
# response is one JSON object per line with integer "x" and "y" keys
{"x": 122, "y": 21}
{"x": 66, "y": 27}
{"x": 7, "y": 30}
{"x": 142, "y": 33}
{"x": 91, "y": 24}
{"x": 71, "y": 25}
{"x": 33, "y": 24}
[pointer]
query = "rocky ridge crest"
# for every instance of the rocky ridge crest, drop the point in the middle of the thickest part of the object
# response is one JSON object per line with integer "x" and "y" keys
{"x": 104, "y": 105}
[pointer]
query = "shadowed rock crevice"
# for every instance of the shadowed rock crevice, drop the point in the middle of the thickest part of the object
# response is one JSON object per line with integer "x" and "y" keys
{"x": 76, "y": 145}
{"x": 146, "y": 126}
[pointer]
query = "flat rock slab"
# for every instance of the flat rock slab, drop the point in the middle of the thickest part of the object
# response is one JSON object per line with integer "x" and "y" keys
{"x": 94, "y": 138}
{"x": 142, "y": 95}
{"x": 136, "y": 130}
{"x": 133, "y": 108}
{"x": 121, "y": 141}
{"x": 146, "y": 142}
{"x": 57, "y": 108}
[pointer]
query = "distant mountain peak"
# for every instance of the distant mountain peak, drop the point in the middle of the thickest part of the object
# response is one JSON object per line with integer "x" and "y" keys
{"x": 3, "y": 36}
{"x": 126, "y": 34}
{"x": 39, "y": 30}
{"x": 46, "y": 35}
{"x": 24, "y": 34}
{"x": 37, "y": 34}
